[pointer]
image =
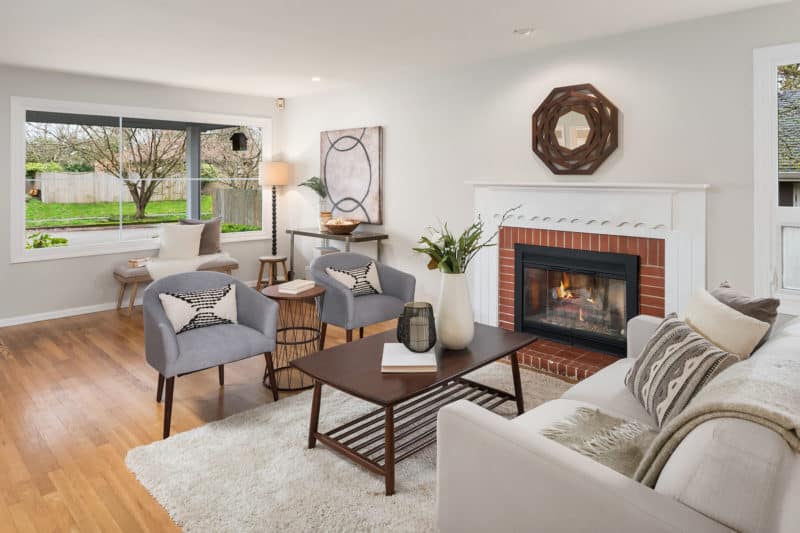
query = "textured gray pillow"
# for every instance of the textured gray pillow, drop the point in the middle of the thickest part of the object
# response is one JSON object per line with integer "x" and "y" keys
{"x": 763, "y": 309}
{"x": 210, "y": 239}
{"x": 676, "y": 363}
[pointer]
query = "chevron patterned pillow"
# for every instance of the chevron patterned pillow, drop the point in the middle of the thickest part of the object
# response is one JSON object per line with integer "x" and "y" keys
{"x": 192, "y": 310}
{"x": 360, "y": 280}
{"x": 676, "y": 363}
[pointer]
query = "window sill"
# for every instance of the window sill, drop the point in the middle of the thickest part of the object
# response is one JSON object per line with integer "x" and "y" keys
{"x": 114, "y": 248}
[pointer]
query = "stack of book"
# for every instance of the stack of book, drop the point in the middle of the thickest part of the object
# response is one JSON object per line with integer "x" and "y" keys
{"x": 399, "y": 359}
{"x": 138, "y": 262}
{"x": 295, "y": 287}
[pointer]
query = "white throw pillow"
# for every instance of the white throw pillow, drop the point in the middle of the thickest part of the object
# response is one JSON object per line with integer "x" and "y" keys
{"x": 192, "y": 310}
{"x": 179, "y": 241}
{"x": 726, "y": 327}
{"x": 361, "y": 281}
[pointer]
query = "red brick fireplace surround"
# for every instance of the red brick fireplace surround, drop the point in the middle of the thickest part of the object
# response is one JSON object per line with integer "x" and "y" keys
{"x": 573, "y": 362}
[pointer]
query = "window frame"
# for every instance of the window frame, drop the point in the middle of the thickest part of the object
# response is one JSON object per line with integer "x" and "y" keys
{"x": 768, "y": 217}
{"x": 19, "y": 106}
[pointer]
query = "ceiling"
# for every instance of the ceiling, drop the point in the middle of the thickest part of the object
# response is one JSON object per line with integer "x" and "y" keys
{"x": 275, "y": 47}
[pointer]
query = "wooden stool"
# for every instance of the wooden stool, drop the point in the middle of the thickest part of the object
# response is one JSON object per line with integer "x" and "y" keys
{"x": 272, "y": 261}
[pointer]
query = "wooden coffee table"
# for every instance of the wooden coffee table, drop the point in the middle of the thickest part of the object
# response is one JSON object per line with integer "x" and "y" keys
{"x": 405, "y": 423}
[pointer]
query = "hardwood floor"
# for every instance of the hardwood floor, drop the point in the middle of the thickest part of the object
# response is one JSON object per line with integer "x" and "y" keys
{"x": 75, "y": 395}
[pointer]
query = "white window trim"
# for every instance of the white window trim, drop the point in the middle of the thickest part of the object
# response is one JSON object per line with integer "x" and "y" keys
{"x": 19, "y": 105}
{"x": 768, "y": 217}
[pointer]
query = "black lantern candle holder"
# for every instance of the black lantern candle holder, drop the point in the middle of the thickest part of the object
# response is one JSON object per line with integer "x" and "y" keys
{"x": 416, "y": 327}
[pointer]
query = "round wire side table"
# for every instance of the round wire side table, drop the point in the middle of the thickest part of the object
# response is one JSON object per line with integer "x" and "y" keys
{"x": 298, "y": 334}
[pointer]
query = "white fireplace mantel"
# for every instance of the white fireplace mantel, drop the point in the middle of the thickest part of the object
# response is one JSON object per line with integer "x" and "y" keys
{"x": 673, "y": 212}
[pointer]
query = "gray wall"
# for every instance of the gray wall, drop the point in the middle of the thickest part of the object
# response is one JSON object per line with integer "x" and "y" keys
{"x": 49, "y": 286}
{"x": 685, "y": 95}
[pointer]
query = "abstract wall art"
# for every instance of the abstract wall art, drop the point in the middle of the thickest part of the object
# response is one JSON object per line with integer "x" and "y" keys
{"x": 351, "y": 165}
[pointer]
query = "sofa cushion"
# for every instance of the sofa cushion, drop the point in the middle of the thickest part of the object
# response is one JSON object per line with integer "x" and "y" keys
{"x": 126, "y": 272}
{"x": 606, "y": 390}
{"x": 733, "y": 471}
{"x": 726, "y": 327}
{"x": 763, "y": 309}
{"x": 676, "y": 363}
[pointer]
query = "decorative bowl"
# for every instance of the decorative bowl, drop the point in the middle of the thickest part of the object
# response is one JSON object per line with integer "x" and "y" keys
{"x": 340, "y": 226}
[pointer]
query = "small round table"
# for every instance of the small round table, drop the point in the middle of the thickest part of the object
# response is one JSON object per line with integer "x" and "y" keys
{"x": 298, "y": 334}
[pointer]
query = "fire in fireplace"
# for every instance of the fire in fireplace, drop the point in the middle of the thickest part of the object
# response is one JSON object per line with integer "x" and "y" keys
{"x": 576, "y": 296}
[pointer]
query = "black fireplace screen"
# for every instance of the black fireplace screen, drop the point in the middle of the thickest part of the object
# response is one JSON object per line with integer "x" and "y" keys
{"x": 576, "y": 296}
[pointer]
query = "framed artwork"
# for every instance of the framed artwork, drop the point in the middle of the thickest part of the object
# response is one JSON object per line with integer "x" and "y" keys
{"x": 351, "y": 166}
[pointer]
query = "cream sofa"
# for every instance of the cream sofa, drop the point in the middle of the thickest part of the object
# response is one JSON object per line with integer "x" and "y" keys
{"x": 495, "y": 474}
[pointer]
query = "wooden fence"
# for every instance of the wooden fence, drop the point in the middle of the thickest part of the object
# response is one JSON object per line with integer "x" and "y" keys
{"x": 238, "y": 206}
{"x": 91, "y": 187}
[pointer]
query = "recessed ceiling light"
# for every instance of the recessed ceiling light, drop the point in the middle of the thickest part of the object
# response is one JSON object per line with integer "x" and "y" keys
{"x": 524, "y": 32}
{"x": 316, "y": 78}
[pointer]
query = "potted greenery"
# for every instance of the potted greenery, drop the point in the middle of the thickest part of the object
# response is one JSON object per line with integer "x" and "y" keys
{"x": 318, "y": 186}
{"x": 452, "y": 255}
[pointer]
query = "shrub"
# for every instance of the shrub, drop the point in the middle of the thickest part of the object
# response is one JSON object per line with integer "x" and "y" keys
{"x": 44, "y": 240}
{"x": 31, "y": 169}
{"x": 233, "y": 228}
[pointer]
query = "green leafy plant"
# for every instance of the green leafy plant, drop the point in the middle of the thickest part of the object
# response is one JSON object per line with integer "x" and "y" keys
{"x": 43, "y": 240}
{"x": 451, "y": 254}
{"x": 316, "y": 185}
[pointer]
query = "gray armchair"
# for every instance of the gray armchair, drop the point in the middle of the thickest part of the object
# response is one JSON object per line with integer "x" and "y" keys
{"x": 176, "y": 355}
{"x": 341, "y": 308}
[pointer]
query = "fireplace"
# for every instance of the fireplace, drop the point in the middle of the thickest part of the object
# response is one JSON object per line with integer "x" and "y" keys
{"x": 576, "y": 296}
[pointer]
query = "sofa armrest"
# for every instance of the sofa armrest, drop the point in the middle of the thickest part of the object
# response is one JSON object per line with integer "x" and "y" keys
{"x": 640, "y": 329}
{"x": 495, "y": 475}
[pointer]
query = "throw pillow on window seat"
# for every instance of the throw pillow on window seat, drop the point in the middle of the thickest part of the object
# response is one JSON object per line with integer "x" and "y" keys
{"x": 211, "y": 237}
{"x": 179, "y": 241}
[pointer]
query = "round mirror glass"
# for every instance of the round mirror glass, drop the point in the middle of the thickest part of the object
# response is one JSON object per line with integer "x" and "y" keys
{"x": 572, "y": 130}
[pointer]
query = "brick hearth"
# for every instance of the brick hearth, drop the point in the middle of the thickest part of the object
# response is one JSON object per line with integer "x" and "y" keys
{"x": 573, "y": 362}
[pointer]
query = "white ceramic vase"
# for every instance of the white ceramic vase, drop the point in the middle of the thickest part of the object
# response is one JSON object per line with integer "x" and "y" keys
{"x": 455, "y": 323}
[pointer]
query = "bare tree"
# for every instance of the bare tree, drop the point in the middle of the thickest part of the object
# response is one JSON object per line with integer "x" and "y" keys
{"x": 148, "y": 155}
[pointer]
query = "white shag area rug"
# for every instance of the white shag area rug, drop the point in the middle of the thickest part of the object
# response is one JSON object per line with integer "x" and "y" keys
{"x": 253, "y": 471}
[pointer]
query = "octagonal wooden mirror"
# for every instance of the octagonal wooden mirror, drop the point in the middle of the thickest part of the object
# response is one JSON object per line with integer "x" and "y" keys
{"x": 575, "y": 129}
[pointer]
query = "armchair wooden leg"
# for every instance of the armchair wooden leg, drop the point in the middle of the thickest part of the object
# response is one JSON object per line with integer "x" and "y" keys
{"x": 160, "y": 391}
{"x": 133, "y": 296}
{"x": 361, "y": 333}
{"x": 349, "y": 335}
{"x": 168, "y": 405}
{"x": 273, "y": 382}
{"x": 323, "y": 330}
{"x": 221, "y": 375}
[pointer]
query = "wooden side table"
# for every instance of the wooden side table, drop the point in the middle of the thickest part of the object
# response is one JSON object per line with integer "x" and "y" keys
{"x": 299, "y": 334}
{"x": 272, "y": 275}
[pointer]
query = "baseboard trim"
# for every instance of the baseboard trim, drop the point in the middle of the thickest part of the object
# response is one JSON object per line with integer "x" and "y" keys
{"x": 71, "y": 311}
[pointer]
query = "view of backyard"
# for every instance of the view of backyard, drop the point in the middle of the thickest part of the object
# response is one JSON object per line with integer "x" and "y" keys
{"x": 91, "y": 179}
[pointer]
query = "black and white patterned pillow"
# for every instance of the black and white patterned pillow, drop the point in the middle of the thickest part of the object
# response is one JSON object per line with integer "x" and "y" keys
{"x": 361, "y": 281}
{"x": 676, "y": 363}
{"x": 192, "y": 310}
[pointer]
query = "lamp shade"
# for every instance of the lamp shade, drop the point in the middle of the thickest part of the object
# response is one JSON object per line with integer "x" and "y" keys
{"x": 275, "y": 173}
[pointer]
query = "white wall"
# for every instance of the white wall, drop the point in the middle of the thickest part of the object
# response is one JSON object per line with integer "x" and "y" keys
{"x": 685, "y": 96}
{"x": 51, "y": 286}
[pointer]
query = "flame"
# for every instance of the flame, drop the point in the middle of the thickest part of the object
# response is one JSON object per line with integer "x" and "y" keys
{"x": 580, "y": 315}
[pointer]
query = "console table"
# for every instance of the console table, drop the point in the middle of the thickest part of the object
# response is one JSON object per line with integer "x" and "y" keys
{"x": 356, "y": 236}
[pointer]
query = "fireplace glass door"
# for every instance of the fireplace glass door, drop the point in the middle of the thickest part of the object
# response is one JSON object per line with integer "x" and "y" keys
{"x": 591, "y": 303}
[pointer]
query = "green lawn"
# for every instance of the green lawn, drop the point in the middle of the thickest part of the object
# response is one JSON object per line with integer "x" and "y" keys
{"x": 40, "y": 215}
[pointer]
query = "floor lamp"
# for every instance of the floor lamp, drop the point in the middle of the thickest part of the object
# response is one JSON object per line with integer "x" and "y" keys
{"x": 274, "y": 173}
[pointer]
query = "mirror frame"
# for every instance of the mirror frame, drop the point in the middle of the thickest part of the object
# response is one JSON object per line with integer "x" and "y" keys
{"x": 603, "y": 139}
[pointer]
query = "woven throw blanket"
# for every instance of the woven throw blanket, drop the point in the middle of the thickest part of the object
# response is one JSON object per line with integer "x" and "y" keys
{"x": 161, "y": 268}
{"x": 619, "y": 444}
{"x": 764, "y": 389}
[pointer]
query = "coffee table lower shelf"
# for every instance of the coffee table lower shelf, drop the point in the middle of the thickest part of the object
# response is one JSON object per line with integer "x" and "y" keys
{"x": 383, "y": 437}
